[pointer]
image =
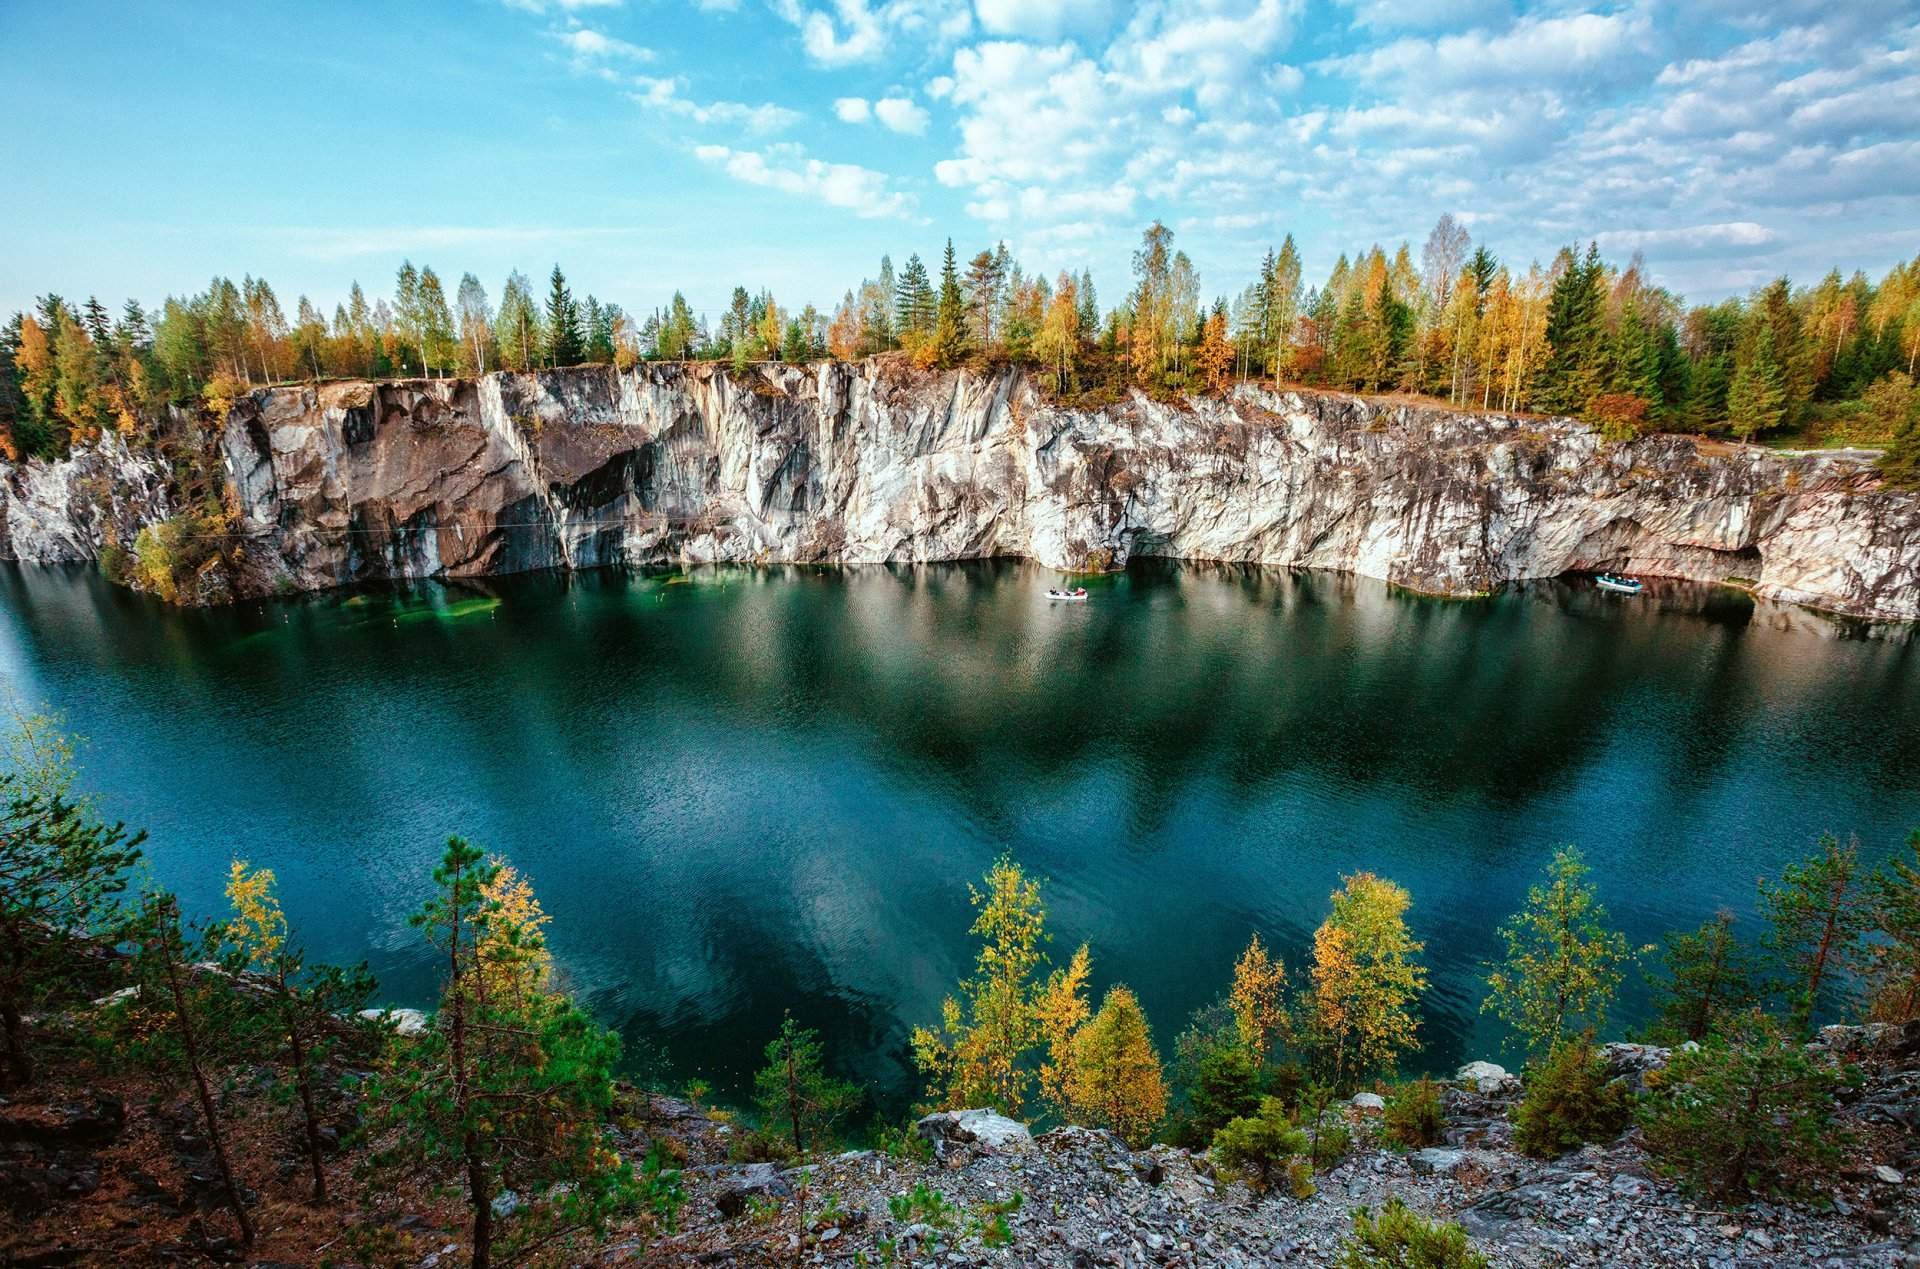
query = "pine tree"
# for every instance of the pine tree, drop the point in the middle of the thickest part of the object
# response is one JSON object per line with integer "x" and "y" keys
{"x": 1817, "y": 910}
{"x": 198, "y": 1007}
{"x": 512, "y": 1083}
{"x": 1563, "y": 962}
{"x": 62, "y": 875}
{"x": 1709, "y": 981}
{"x": 1893, "y": 967}
{"x": 796, "y": 1095}
{"x": 565, "y": 344}
{"x": 307, "y": 1006}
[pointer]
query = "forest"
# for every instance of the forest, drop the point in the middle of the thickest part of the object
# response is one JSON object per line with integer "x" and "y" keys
{"x": 1828, "y": 364}
{"x": 508, "y": 1086}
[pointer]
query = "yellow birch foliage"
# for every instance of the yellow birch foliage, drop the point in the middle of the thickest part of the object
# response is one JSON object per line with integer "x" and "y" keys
{"x": 259, "y": 927}
{"x": 1258, "y": 1001}
{"x": 513, "y": 955}
{"x": 1366, "y": 982}
{"x": 1117, "y": 1081}
{"x": 975, "y": 1058}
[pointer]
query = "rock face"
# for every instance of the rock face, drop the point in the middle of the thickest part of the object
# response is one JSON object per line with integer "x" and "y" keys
{"x": 875, "y": 462}
{"x": 55, "y": 513}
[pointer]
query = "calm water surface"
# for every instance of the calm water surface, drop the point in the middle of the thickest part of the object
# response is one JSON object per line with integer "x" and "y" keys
{"x": 739, "y": 792}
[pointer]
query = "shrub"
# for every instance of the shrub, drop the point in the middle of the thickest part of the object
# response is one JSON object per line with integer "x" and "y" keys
{"x": 1620, "y": 416}
{"x": 1259, "y": 1147}
{"x": 1413, "y": 1117}
{"x": 1216, "y": 1075}
{"x": 1569, "y": 1101}
{"x": 1744, "y": 1115}
{"x": 756, "y": 1145}
{"x": 1399, "y": 1239}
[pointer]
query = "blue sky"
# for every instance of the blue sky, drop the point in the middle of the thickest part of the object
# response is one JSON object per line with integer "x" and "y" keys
{"x": 650, "y": 146}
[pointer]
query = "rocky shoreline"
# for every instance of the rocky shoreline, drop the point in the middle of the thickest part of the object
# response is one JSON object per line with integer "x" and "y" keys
{"x": 105, "y": 1174}
{"x": 873, "y": 462}
{"x": 1085, "y": 1199}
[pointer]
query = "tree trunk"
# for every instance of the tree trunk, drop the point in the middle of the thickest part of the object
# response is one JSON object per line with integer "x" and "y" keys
{"x": 19, "y": 1060}
{"x": 303, "y": 1081}
{"x": 482, "y": 1202}
{"x": 190, "y": 1042}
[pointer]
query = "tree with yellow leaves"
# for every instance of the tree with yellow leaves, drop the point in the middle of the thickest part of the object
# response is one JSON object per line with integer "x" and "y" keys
{"x": 1062, "y": 1009}
{"x": 1215, "y": 358}
{"x": 306, "y": 1004}
{"x": 979, "y": 1055}
{"x": 1059, "y": 337}
{"x": 1366, "y": 980}
{"x": 1258, "y": 1001}
{"x": 1116, "y": 1080}
{"x": 513, "y": 955}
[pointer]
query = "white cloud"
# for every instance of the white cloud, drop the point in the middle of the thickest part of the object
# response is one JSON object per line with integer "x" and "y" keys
{"x": 1572, "y": 50}
{"x": 588, "y": 45}
{"x": 850, "y": 31}
{"x": 860, "y": 190}
{"x": 1424, "y": 15}
{"x": 663, "y": 96}
{"x": 1738, "y": 237}
{"x": 566, "y": 6}
{"x": 1042, "y": 19}
{"x": 899, "y": 114}
{"x": 852, "y": 109}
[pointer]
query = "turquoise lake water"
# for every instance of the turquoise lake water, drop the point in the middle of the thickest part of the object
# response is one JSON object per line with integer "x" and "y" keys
{"x": 741, "y": 791}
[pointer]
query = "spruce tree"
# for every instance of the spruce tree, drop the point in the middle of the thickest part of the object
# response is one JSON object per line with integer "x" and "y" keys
{"x": 1571, "y": 375}
{"x": 950, "y": 315}
{"x": 564, "y": 340}
{"x": 1756, "y": 397}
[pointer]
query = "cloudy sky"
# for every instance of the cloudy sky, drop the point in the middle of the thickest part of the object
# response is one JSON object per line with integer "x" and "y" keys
{"x": 650, "y": 146}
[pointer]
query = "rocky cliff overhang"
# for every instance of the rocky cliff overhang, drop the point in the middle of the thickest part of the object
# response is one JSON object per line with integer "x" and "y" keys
{"x": 876, "y": 462}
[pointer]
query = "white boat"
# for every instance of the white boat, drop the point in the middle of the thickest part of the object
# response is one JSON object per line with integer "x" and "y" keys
{"x": 1078, "y": 595}
{"x": 1620, "y": 585}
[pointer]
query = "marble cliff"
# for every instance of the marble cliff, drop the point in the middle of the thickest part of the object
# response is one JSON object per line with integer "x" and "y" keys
{"x": 874, "y": 461}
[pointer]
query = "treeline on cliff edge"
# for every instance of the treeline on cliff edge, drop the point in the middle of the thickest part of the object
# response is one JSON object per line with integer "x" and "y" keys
{"x": 1833, "y": 363}
{"x": 505, "y": 1094}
